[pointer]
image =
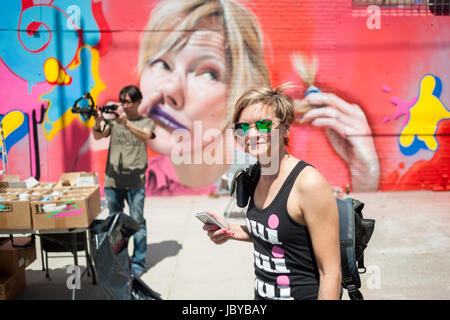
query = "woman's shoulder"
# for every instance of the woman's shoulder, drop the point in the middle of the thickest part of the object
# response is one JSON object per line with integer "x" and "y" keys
{"x": 310, "y": 180}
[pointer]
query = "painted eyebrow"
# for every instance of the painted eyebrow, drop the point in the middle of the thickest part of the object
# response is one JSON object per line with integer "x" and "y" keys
{"x": 207, "y": 57}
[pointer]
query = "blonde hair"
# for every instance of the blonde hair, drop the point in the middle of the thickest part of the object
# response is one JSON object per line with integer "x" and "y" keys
{"x": 281, "y": 104}
{"x": 171, "y": 21}
{"x": 307, "y": 71}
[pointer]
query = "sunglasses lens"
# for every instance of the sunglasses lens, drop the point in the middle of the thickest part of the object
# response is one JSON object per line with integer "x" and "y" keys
{"x": 241, "y": 129}
{"x": 264, "y": 126}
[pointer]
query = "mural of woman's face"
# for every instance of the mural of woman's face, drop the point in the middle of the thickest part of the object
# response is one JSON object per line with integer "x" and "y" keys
{"x": 192, "y": 86}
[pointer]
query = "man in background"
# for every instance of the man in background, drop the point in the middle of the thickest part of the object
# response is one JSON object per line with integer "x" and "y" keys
{"x": 126, "y": 165}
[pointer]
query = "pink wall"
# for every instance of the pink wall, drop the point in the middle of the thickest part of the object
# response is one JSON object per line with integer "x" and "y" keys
{"x": 379, "y": 69}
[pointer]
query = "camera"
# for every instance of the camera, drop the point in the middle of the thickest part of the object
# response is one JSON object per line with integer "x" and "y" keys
{"x": 110, "y": 108}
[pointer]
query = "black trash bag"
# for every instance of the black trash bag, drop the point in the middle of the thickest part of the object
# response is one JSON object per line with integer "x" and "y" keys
{"x": 112, "y": 262}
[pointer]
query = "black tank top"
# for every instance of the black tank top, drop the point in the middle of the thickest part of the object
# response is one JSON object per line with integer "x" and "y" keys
{"x": 285, "y": 266}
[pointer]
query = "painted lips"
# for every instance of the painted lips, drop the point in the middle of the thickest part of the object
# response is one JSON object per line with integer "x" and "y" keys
{"x": 157, "y": 113}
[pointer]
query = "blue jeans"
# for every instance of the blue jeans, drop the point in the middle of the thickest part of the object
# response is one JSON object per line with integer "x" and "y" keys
{"x": 135, "y": 199}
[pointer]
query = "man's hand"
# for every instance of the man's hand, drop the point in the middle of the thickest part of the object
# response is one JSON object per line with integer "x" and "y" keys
{"x": 97, "y": 130}
{"x": 122, "y": 119}
{"x": 98, "y": 121}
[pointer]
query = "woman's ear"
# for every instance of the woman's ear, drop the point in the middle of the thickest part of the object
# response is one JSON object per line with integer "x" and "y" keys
{"x": 286, "y": 134}
{"x": 287, "y": 129}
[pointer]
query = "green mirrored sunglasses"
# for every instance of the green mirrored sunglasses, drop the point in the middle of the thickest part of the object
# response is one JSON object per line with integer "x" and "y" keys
{"x": 241, "y": 129}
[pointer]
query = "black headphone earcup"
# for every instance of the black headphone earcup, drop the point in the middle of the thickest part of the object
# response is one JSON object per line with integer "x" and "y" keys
{"x": 242, "y": 190}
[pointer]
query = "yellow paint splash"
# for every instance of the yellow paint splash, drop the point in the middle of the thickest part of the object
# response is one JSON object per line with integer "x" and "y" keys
{"x": 55, "y": 73}
{"x": 11, "y": 121}
{"x": 67, "y": 118}
{"x": 425, "y": 115}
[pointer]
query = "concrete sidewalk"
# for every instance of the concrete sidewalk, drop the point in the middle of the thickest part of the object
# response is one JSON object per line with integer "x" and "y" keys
{"x": 407, "y": 258}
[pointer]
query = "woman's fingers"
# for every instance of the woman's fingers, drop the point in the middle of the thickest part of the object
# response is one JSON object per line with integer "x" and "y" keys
{"x": 210, "y": 227}
{"x": 330, "y": 123}
{"x": 324, "y": 112}
{"x": 216, "y": 234}
{"x": 349, "y": 112}
{"x": 219, "y": 236}
{"x": 328, "y": 117}
{"x": 351, "y": 122}
{"x": 330, "y": 99}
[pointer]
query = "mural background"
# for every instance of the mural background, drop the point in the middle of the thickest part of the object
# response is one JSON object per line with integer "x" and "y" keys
{"x": 51, "y": 52}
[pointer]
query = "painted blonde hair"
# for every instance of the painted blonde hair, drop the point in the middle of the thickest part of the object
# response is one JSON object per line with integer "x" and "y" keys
{"x": 172, "y": 21}
{"x": 307, "y": 71}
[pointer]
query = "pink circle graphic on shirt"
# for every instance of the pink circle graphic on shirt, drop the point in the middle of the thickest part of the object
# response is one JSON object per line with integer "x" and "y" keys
{"x": 273, "y": 221}
{"x": 283, "y": 280}
{"x": 277, "y": 252}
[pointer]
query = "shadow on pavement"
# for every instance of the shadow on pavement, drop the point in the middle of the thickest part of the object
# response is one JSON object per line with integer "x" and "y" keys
{"x": 40, "y": 288}
{"x": 156, "y": 252}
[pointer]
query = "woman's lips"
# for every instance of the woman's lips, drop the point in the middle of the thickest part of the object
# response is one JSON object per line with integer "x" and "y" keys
{"x": 157, "y": 113}
{"x": 255, "y": 144}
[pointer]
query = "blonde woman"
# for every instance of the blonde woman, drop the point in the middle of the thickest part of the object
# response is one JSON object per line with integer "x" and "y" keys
{"x": 196, "y": 58}
{"x": 292, "y": 217}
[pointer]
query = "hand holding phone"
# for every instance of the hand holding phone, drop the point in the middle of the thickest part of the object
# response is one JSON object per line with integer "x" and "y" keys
{"x": 207, "y": 218}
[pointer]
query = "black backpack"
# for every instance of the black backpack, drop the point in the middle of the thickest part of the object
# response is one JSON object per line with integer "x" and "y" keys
{"x": 354, "y": 234}
{"x": 354, "y": 231}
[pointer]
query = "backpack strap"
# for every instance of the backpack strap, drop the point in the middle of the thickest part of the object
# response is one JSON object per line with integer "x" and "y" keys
{"x": 348, "y": 281}
{"x": 361, "y": 264}
{"x": 350, "y": 275}
{"x": 354, "y": 294}
{"x": 364, "y": 229}
{"x": 254, "y": 174}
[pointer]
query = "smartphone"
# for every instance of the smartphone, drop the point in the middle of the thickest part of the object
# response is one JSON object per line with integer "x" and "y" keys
{"x": 206, "y": 218}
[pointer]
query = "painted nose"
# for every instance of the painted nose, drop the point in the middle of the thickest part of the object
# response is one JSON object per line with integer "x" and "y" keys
{"x": 172, "y": 90}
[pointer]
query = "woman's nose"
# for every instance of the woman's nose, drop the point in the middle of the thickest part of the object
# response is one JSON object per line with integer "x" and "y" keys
{"x": 172, "y": 90}
{"x": 253, "y": 134}
{"x": 252, "y": 131}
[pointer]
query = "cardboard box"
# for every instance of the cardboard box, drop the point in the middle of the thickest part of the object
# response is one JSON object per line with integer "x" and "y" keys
{"x": 12, "y": 258}
{"x": 12, "y": 285}
{"x": 14, "y": 184}
{"x": 44, "y": 186}
{"x": 55, "y": 193}
{"x": 78, "y": 179}
{"x": 3, "y": 186}
{"x": 13, "y": 262}
{"x": 26, "y": 184}
{"x": 14, "y": 214}
{"x": 13, "y": 181}
{"x": 78, "y": 208}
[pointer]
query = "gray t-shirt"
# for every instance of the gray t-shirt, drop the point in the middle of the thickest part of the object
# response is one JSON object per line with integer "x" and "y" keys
{"x": 127, "y": 156}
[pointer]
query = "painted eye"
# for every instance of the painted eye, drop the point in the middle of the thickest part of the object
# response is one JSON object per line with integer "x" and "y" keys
{"x": 159, "y": 63}
{"x": 210, "y": 75}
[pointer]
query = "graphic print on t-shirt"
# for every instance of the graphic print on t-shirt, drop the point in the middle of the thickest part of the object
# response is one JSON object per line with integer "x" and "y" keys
{"x": 276, "y": 263}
